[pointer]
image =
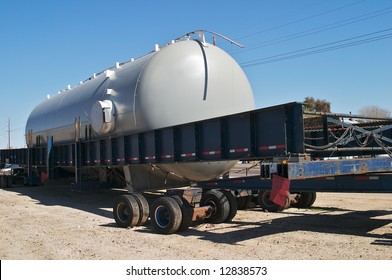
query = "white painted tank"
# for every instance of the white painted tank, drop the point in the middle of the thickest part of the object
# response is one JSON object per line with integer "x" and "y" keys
{"x": 185, "y": 81}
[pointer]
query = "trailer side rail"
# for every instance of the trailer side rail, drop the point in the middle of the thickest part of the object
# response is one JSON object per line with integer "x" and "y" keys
{"x": 233, "y": 137}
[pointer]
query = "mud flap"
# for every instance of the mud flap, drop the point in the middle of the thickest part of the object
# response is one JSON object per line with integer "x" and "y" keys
{"x": 280, "y": 190}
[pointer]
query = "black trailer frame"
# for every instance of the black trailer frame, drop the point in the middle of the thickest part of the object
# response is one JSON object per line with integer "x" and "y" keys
{"x": 296, "y": 153}
{"x": 285, "y": 140}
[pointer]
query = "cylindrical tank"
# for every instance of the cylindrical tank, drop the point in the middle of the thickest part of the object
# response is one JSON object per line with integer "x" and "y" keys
{"x": 182, "y": 82}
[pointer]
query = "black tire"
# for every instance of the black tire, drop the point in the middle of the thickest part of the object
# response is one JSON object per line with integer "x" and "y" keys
{"x": 305, "y": 200}
{"x": 166, "y": 215}
{"x": 243, "y": 202}
{"x": 233, "y": 205}
{"x": 186, "y": 210}
{"x": 312, "y": 201}
{"x": 144, "y": 208}
{"x": 126, "y": 211}
{"x": 219, "y": 203}
{"x": 266, "y": 204}
{"x": 288, "y": 203}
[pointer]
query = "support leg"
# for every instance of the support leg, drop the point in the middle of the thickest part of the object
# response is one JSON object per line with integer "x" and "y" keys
{"x": 128, "y": 180}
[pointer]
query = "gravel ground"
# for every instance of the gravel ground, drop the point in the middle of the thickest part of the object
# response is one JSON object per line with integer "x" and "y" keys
{"x": 53, "y": 222}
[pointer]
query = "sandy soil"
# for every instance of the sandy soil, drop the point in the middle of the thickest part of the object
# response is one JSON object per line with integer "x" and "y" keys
{"x": 53, "y": 222}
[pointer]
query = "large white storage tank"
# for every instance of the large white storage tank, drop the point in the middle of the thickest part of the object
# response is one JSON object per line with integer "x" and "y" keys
{"x": 183, "y": 81}
{"x": 179, "y": 83}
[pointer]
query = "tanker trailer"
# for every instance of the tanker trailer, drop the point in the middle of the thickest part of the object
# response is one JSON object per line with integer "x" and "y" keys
{"x": 183, "y": 81}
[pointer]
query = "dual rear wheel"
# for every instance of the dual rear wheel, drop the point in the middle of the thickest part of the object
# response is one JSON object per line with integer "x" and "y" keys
{"x": 304, "y": 199}
{"x": 223, "y": 203}
{"x": 301, "y": 200}
{"x": 166, "y": 215}
{"x": 131, "y": 210}
{"x": 171, "y": 214}
{"x": 263, "y": 198}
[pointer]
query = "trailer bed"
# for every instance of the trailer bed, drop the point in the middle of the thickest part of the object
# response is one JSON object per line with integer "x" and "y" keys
{"x": 300, "y": 146}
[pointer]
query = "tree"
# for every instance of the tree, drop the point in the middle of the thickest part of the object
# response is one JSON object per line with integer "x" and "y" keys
{"x": 317, "y": 105}
{"x": 374, "y": 111}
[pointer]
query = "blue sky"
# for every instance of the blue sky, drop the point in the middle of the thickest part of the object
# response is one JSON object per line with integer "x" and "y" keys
{"x": 46, "y": 45}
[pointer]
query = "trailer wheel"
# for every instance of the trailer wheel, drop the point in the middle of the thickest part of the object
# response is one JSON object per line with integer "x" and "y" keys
{"x": 166, "y": 215}
{"x": 144, "y": 208}
{"x": 220, "y": 204}
{"x": 314, "y": 196}
{"x": 266, "y": 204}
{"x": 305, "y": 200}
{"x": 233, "y": 205}
{"x": 243, "y": 202}
{"x": 186, "y": 210}
{"x": 126, "y": 211}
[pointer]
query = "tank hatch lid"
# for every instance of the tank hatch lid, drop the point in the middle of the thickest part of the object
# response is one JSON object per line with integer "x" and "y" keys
{"x": 102, "y": 116}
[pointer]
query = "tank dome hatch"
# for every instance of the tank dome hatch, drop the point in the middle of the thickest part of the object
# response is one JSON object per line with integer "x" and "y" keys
{"x": 102, "y": 116}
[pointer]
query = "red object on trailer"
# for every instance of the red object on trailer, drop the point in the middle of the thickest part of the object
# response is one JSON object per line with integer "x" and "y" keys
{"x": 43, "y": 177}
{"x": 280, "y": 190}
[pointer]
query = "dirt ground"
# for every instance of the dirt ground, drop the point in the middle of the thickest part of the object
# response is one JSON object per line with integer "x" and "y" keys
{"x": 53, "y": 222}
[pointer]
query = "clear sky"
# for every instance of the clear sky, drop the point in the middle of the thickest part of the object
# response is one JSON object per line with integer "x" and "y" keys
{"x": 338, "y": 50}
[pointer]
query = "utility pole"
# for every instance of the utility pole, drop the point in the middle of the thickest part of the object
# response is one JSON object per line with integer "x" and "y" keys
{"x": 9, "y": 133}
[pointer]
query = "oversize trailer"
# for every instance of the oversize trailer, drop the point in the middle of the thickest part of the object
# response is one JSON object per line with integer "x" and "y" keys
{"x": 296, "y": 154}
{"x": 108, "y": 141}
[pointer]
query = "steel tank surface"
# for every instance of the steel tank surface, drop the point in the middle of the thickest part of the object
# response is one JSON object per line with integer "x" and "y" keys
{"x": 184, "y": 81}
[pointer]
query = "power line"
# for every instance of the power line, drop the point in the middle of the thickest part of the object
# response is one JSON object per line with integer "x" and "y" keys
{"x": 300, "y": 20}
{"x": 321, "y": 48}
{"x": 9, "y": 133}
{"x": 317, "y": 30}
{"x": 276, "y": 17}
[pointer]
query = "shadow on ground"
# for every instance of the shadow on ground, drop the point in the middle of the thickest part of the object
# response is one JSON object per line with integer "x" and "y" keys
{"x": 92, "y": 201}
{"x": 322, "y": 220}
{"x": 355, "y": 223}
